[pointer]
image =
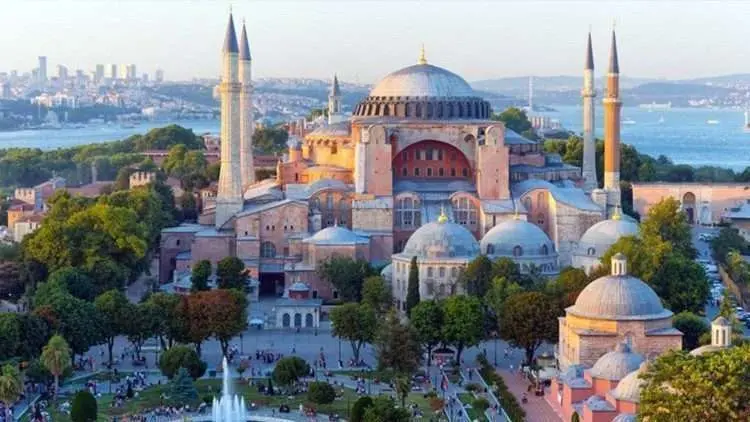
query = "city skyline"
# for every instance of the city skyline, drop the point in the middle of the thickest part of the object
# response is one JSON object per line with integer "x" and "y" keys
{"x": 317, "y": 39}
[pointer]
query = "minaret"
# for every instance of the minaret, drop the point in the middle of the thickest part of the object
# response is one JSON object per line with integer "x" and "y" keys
{"x": 612, "y": 106}
{"x": 334, "y": 102}
{"x": 589, "y": 139}
{"x": 247, "y": 126}
{"x": 229, "y": 195}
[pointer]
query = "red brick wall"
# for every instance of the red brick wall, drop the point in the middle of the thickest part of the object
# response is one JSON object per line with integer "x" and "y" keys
{"x": 416, "y": 157}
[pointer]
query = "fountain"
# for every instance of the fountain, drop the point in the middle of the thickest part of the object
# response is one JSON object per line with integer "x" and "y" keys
{"x": 230, "y": 407}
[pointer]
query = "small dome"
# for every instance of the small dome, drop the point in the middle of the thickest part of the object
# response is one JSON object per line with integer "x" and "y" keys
{"x": 604, "y": 234}
{"x": 517, "y": 237}
{"x": 442, "y": 239}
{"x": 619, "y": 296}
{"x": 422, "y": 80}
{"x": 625, "y": 417}
{"x": 629, "y": 388}
{"x": 615, "y": 365}
{"x": 336, "y": 235}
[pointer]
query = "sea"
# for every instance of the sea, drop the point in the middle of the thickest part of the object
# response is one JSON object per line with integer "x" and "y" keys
{"x": 695, "y": 136}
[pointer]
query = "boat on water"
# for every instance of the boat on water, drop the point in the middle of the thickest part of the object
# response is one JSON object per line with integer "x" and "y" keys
{"x": 747, "y": 121}
{"x": 627, "y": 121}
{"x": 661, "y": 119}
{"x": 712, "y": 122}
{"x": 656, "y": 106}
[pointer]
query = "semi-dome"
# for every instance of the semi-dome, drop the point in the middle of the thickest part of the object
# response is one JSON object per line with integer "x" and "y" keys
{"x": 625, "y": 417}
{"x": 336, "y": 235}
{"x": 442, "y": 239}
{"x": 605, "y": 233}
{"x": 629, "y": 388}
{"x": 619, "y": 296}
{"x": 615, "y": 365}
{"x": 422, "y": 80}
{"x": 517, "y": 238}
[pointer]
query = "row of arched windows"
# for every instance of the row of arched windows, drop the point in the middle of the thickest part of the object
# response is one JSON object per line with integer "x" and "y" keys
{"x": 474, "y": 108}
{"x": 408, "y": 213}
{"x": 517, "y": 250}
{"x": 431, "y": 172}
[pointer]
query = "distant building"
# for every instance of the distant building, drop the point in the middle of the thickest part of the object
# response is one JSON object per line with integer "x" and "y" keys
{"x": 703, "y": 203}
{"x": 113, "y": 71}
{"x": 159, "y": 77}
{"x": 5, "y": 90}
{"x": 130, "y": 72}
{"x": 99, "y": 73}
{"x": 42, "y": 73}
{"x": 62, "y": 72}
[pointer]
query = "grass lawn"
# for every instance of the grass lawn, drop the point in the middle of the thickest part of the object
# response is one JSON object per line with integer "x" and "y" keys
{"x": 151, "y": 398}
{"x": 474, "y": 414}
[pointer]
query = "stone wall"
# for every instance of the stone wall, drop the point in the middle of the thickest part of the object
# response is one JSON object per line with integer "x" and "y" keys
{"x": 712, "y": 200}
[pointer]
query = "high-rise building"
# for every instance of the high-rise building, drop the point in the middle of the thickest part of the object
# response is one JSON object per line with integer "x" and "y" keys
{"x": 99, "y": 73}
{"x": 144, "y": 78}
{"x": 159, "y": 76}
{"x": 130, "y": 72}
{"x": 5, "y": 90}
{"x": 113, "y": 71}
{"x": 42, "y": 74}
{"x": 62, "y": 72}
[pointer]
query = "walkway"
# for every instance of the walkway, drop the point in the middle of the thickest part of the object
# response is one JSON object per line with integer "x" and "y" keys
{"x": 537, "y": 409}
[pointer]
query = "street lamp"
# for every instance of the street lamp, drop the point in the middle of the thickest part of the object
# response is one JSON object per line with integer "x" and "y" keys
{"x": 496, "y": 337}
{"x": 340, "y": 352}
{"x": 242, "y": 345}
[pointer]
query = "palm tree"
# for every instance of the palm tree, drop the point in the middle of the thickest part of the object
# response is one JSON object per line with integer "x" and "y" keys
{"x": 11, "y": 386}
{"x": 56, "y": 358}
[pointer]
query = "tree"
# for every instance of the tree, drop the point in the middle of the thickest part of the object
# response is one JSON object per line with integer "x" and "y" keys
{"x": 710, "y": 387}
{"x": 462, "y": 322}
{"x": 397, "y": 347}
{"x": 230, "y": 273}
{"x": 115, "y": 311}
{"x": 692, "y": 326}
{"x": 500, "y": 290}
{"x": 56, "y": 358}
{"x": 514, "y": 119}
{"x": 181, "y": 357}
{"x": 10, "y": 332}
{"x": 403, "y": 387}
{"x": 645, "y": 256}
{"x": 427, "y": 321}
{"x": 359, "y": 407}
{"x": 227, "y": 313}
{"x": 728, "y": 240}
{"x": 76, "y": 320}
{"x": 164, "y": 138}
{"x": 11, "y": 385}
{"x": 167, "y": 323}
{"x": 356, "y": 323}
{"x": 76, "y": 281}
{"x": 529, "y": 319}
{"x": 346, "y": 275}
{"x": 668, "y": 222}
{"x": 189, "y": 207}
{"x": 190, "y": 325}
{"x": 142, "y": 324}
{"x": 289, "y": 370}
{"x": 383, "y": 409}
{"x": 320, "y": 392}
{"x": 681, "y": 283}
{"x": 568, "y": 285}
{"x": 84, "y": 408}
{"x": 507, "y": 268}
{"x": 35, "y": 333}
{"x": 376, "y": 293}
{"x": 199, "y": 277}
{"x": 477, "y": 276}
{"x": 412, "y": 292}
{"x": 11, "y": 284}
{"x": 182, "y": 388}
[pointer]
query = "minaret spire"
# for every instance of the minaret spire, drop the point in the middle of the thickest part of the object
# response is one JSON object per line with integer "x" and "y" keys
{"x": 247, "y": 124}
{"x": 244, "y": 44}
{"x": 334, "y": 102}
{"x": 614, "y": 63}
{"x": 612, "y": 109}
{"x": 230, "y": 37}
{"x": 588, "y": 93}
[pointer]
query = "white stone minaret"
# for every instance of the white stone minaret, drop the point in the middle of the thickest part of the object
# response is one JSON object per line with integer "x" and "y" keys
{"x": 229, "y": 195}
{"x": 334, "y": 103}
{"x": 247, "y": 124}
{"x": 589, "y": 138}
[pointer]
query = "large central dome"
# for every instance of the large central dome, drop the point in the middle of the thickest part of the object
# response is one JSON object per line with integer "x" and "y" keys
{"x": 422, "y": 80}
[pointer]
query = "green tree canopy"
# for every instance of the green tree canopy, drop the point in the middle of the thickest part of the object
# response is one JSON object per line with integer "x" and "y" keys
{"x": 142, "y": 324}
{"x": 289, "y": 370}
{"x": 11, "y": 385}
{"x": 84, "y": 408}
{"x": 692, "y": 326}
{"x": 462, "y": 322}
{"x": 514, "y": 118}
{"x": 199, "y": 276}
{"x": 164, "y": 138}
{"x": 356, "y": 323}
{"x": 179, "y": 356}
{"x": 320, "y": 392}
{"x": 10, "y": 332}
{"x": 668, "y": 222}
{"x": 710, "y": 387}
{"x": 346, "y": 275}
{"x": 183, "y": 389}
{"x": 76, "y": 281}
{"x": 477, "y": 276}
{"x": 56, "y": 357}
{"x": 681, "y": 283}
{"x": 230, "y": 273}
{"x": 427, "y": 320}
{"x": 412, "y": 288}
{"x": 397, "y": 346}
{"x": 384, "y": 409}
{"x": 529, "y": 319}
{"x": 568, "y": 285}
{"x": 377, "y": 293}
{"x": 115, "y": 312}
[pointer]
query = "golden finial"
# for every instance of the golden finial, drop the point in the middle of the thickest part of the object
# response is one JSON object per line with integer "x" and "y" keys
{"x": 616, "y": 214}
{"x": 422, "y": 57}
{"x": 443, "y": 218}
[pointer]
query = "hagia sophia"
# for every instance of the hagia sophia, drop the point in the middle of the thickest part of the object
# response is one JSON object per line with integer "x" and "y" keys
{"x": 417, "y": 170}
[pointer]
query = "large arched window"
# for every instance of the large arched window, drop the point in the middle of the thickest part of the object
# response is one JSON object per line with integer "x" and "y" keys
{"x": 544, "y": 250}
{"x": 517, "y": 251}
{"x": 490, "y": 249}
{"x": 267, "y": 250}
{"x": 408, "y": 213}
{"x": 464, "y": 212}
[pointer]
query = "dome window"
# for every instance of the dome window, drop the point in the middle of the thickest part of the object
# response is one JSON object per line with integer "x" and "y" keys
{"x": 490, "y": 249}
{"x": 517, "y": 250}
{"x": 544, "y": 250}
{"x": 591, "y": 252}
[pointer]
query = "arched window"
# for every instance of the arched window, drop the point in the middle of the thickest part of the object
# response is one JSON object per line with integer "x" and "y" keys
{"x": 441, "y": 272}
{"x": 464, "y": 212}
{"x": 544, "y": 250}
{"x": 419, "y": 110}
{"x": 490, "y": 249}
{"x": 454, "y": 272}
{"x": 267, "y": 250}
{"x": 527, "y": 203}
{"x": 408, "y": 213}
{"x": 591, "y": 252}
{"x": 460, "y": 110}
{"x": 429, "y": 171}
{"x": 441, "y": 172}
{"x": 404, "y": 171}
{"x": 517, "y": 251}
{"x": 430, "y": 272}
{"x": 416, "y": 171}
{"x": 465, "y": 172}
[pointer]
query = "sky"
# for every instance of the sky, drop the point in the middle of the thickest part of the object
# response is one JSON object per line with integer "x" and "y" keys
{"x": 363, "y": 40}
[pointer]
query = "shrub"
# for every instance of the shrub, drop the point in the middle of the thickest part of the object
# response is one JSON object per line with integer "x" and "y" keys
{"x": 472, "y": 387}
{"x": 321, "y": 393}
{"x": 358, "y": 410}
{"x": 183, "y": 390}
{"x": 481, "y": 404}
{"x": 83, "y": 408}
{"x": 181, "y": 357}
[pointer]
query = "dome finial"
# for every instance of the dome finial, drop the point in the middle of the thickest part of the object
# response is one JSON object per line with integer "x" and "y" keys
{"x": 616, "y": 214}
{"x": 422, "y": 57}
{"x": 442, "y": 219}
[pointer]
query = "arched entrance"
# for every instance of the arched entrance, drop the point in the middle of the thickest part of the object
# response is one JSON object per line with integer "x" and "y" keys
{"x": 285, "y": 321}
{"x": 309, "y": 320}
{"x": 688, "y": 205}
{"x": 705, "y": 215}
{"x": 298, "y": 320}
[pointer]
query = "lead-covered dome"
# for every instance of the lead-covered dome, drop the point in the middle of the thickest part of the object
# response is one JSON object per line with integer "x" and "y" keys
{"x": 518, "y": 238}
{"x": 629, "y": 388}
{"x": 602, "y": 235}
{"x": 442, "y": 239}
{"x": 615, "y": 365}
{"x": 336, "y": 235}
{"x": 619, "y": 296}
{"x": 422, "y": 80}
